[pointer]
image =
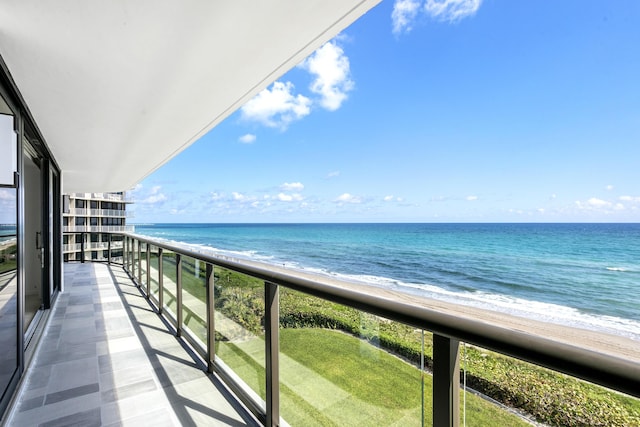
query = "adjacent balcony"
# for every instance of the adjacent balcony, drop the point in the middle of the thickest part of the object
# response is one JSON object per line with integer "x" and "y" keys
{"x": 97, "y": 228}
{"x": 109, "y": 213}
{"x": 291, "y": 348}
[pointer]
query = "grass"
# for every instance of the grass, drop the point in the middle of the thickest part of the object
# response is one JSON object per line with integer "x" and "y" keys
{"x": 308, "y": 339}
{"x": 331, "y": 378}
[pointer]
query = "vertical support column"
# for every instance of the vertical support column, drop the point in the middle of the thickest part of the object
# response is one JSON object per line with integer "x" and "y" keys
{"x": 446, "y": 382}
{"x": 148, "y": 262}
{"x": 160, "y": 282}
{"x": 272, "y": 352}
{"x": 109, "y": 248}
{"x": 211, "y": 330}
{"x": 130, "y": 255}
{"x": 133, "y": 257}
{"x": 139, "y": 263}
{"x": 179, "y": 294}
{"x": 125, "y": 253}
{"x": 82, "y": 248}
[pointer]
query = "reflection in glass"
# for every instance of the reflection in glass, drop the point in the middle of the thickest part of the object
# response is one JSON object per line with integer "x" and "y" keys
{"x": 239, "y": 329}
{"x": 8, "y": 287}
{"x": 335, "y": 370}
{"x": 194, "y": 308}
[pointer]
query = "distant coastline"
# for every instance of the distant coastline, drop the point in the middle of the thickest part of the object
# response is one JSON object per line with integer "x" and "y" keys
{"x": 572, "y": 274}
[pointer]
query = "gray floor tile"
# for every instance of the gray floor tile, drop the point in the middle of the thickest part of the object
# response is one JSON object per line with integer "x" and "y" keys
{"x": 88, "y": 418}
{"x": 106, "y": 358}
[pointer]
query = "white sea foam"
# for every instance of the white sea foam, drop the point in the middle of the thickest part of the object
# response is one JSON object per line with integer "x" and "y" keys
{"x": 617, "y": 269}
{"x": 535, "y": 310}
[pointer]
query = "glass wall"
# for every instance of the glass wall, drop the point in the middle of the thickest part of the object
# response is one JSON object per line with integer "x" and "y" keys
{"x": 9, "y": 339}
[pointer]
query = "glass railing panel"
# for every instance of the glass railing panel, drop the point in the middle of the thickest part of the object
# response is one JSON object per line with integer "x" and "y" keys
{"x": 545, "y": 396}
{"x": 169, "y": 294}
{"x": 194, "y": 309}
{"x": 239, "y": 330}
{"x": 117, "y": 249}
{"x": 341, "y": 366}
{"x": 153, "y": 272}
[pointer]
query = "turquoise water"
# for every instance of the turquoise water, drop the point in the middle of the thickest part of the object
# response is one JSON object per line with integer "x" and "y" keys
{"x": 585, "y": 275}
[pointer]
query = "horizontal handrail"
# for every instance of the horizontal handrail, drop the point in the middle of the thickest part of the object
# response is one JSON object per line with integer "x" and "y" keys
{"x": 609, "y": 371}
{"x": 118, "y": 229}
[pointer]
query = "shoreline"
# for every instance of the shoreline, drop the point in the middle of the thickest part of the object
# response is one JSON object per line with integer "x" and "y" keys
{"x": 602, "y": 342}
{"x": 596, "y": 341}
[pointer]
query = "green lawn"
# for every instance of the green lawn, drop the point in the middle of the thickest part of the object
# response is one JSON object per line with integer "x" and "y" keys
{"x": 305, "y": 321}
{"x": 330, "y": 378}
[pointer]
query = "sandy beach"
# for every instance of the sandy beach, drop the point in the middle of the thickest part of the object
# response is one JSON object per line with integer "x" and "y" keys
{"x": 612, "y": 345}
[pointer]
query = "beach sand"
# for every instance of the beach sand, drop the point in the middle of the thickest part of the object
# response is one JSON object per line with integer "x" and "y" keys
{"x": 599, "y": 342}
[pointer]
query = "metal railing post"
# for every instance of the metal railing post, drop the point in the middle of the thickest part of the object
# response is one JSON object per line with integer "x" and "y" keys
{"x": 179, "y": 295}
{"x": 139, "y": 263}
{"x": 160, "y": 282}
{"x": 125, "y": 253}
{"x": 82, "y": 248}
{"x": 272, "y": 352}
{"x": 109, "y": 249}
{"x": 446, "y": 382}
{"x": 211, "y": 330}
{"x": 148, "y": 271}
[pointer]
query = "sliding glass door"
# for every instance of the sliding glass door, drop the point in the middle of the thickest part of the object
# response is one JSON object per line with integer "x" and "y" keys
{"x": 10, "y": 337}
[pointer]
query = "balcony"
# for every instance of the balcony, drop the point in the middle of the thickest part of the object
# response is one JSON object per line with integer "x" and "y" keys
{"x": 109, "y": 213}
{"x": 97, "y": 228}
{"x": 112, "y": 197}
{"x": 106, "y": 358}
{"x": 242, "y": 323}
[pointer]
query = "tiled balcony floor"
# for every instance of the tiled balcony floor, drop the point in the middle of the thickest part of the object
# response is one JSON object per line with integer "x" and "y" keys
{"x": 106, "y": 359}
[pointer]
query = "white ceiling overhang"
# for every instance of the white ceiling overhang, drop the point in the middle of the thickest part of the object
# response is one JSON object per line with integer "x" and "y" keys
{"x": 119, "y": 87}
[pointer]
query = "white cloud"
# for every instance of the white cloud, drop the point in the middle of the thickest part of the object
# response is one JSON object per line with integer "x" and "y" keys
{"x": 597, "y": 205}
{"x": 277, "y": 107}
{"x": 238, "y": 196}
{"x": 348, "y": 198}
{"x": 292, "y": 186}
{"x": 289, "y": 197}
{"x": 451, "y": 10}
{"x": 609, "y": 187}
{"x": 333, "y": 174}
{"x": 406, "y": 12}
{"x": 217, "y": 196}
{"x": 472, "y": 198}
{"x": 154, "y": 197}
{"x": 598, "y": 202}
{"x": 630, "y": 199}
{"x": 7, "y": 194}
{"x": 332, "y": 76}
{"x": 392, "y": 198}
{"x": 247, "y": 139}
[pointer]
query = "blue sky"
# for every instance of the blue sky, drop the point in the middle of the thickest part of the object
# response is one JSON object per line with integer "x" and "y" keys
{"x": 431, "y": 111}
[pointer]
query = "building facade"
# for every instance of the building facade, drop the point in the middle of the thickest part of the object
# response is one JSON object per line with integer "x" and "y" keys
{"x": 88, "y": 221}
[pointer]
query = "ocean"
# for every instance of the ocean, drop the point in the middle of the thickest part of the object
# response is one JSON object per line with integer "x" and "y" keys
{"x": 583, "y": 275}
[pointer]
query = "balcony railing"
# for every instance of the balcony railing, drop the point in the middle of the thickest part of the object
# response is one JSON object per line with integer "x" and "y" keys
{"x": 110, "y": 213}
{"x": 210, "y": 301}
{"x": 97, "y": 228}
{"x": 103, "y": 196}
